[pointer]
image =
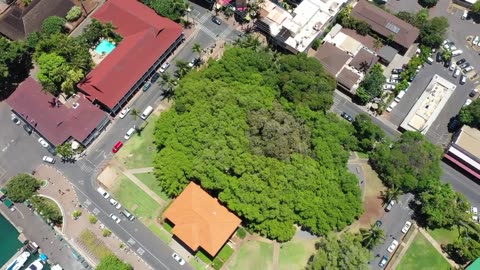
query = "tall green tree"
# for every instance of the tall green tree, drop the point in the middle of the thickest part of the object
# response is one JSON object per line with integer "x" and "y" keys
{"x": 22, "y": 187}
{"x": 197, "y": 48}
{"x": 53, "y": 70}
{"x": 182, "y": 68}
{"x": 367, "y": 133}
{"x": 112, "y": 262}
{"x": 340, "y": 252}
{"x": 172, "y": 9}
{"x": 370, "y": 238}
{"x": 15, "y": 64}
{"x": 65, "y": 150}
{"x": 53, "y": 25}
{"x": 47, "y": 209}
{"x": 372, "y": 86}
{"x": 475, "y": 7}
{"x": 470, "y": 115}
{"x": 391, "y": 194}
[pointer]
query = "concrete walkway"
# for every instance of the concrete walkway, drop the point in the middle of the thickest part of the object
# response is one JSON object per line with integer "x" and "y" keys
{"x": 141, "y": 170}
{"x": 405, "y": 245}
{"x": 143, "y": 187}
{"x": 437, "y": 247}
{"x": 276, "y": 255}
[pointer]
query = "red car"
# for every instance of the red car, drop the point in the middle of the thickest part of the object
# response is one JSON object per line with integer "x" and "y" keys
{"x": 117, "y": 147}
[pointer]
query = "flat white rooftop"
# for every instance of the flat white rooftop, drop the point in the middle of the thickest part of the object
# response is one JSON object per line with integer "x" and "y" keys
{"x": 429, "y": 105}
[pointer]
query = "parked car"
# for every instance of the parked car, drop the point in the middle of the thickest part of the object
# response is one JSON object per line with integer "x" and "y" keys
{"x": 463, "y": 79}
{"x": 448, "y": 45}
{"x": 129, "y": 133}
{"x": 48, "y": 159}
{"x": 468, "y": 69}
{"x": 28, "y": 128}
{"x": 461, "y": 61}
{"x": 216, "y": 20}
{"x": 124, "y": 112}
{"x": 392, "y": 81}
{"x": 467, "y": 102}
{"x": 103, "y": 192}
{"x": 164, "y": 67}
{"x": 464, "y": 65}
{"x": 465, "y": 15}
{"x": 115, "y": 218}
{"x": 395, "y": 76}
{"x": 390, "y": 205}
{"x": 388, "y": 86}
{"x": 128, "y": 215}
{"x": 474, "y": 210}
{"x": 43, "y": 142}
{"x": 447, "y": 63}
{"x": 406, "y": 227}
{"x": 117, "y": 147}
{"x": 193, "y": 62}
{"x": 115, "y": 203}
{"x": 391, "y": 106}
{"x": 155, "y": 77}
{"x": 476, "y": 40}
{"x": 456, "y": 73}
{"x": 347, "y": 117}
{"x": 146, "y": 86}
{"x": 397, "y": 70}
{"x": 454, "y": 125}
{"x": 439, "y": 57}
{"x": 452, "y": 67}
{"x": 15, "y": 120}
{"x": 456, "y": 52}
{"x": 383, "y": 261}
{"x": 393, "y": 246}
{"x": 177, "y": 258}
{"x": 473, "y": 93}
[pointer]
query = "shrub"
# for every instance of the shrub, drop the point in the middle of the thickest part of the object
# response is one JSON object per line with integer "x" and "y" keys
{"x": 93, "y": 219}
{"x": 106, "y": 233}
{"x": 76, "y": 214}
{"x": 316, "y": 44}
{"x": 241, "y": 233}
{"x": 74, "y": 13}
{"x": 21, "y": 187}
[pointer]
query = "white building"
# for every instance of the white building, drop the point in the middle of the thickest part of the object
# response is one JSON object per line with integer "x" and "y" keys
{"x": 295, "y": 30}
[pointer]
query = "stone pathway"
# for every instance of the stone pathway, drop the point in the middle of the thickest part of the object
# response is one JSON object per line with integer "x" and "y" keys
{"x": 276, "y": 255}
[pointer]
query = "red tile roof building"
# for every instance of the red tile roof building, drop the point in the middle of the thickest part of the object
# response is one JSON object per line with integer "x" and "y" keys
{"x": 148, "y": 39}
{"x": 78, "y": 118}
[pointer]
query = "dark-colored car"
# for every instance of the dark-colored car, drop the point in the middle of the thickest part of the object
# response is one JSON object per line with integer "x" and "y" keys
{"x": 461, "y": 61}
{"x": 463, "y": 79}
{"x": 473, "y": 93}
{"x": 397, "y": 70}
{"x": 447, "y": 63}
{"x": 28, "y": 128}
{"x": 464, "y": 65}
{"x": 146, "y": 86}
{"x": 439, "y": 56}
{"x": 454, "y": 125}
{"x": 216, "y": 20}
{"x": 155, "y": 77}
{"x": 347, "y": 117}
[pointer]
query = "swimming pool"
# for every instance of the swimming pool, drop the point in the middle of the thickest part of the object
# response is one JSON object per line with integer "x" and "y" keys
{"x": 105, "y": 47}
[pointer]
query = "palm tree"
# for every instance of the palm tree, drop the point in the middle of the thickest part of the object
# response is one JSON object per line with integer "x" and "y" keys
{"x": 249, "y": 41}
{"x": 392, "y": 194}
{"x": 108, "y": 30}
{"x": 372, "y": 237}
{"x": 168, "y": 85}
{"x": 197, "y": 48}
{"x": 183, "y": 68}
{"x": 135, "y": 113}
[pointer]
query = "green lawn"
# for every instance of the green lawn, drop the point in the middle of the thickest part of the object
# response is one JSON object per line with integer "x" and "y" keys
{"x": 138, "y": 152}
{"x": 253, "y": 255}
{"x": 135, "y": 199}
{"x": 151, "y": 182}
{"x": 295, "y": 254}
{"x": 362, "y": 155}
{"x": 225, "y": 253}
{"x": 162, "y": 234}
{"x": 444, "y": 236}
{"x": 422, "y": 255}
{"x": 94, "y": 245}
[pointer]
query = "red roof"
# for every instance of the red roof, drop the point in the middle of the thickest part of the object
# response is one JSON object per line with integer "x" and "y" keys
{"x": 463, "y": 166}
{"x": 146, "y": 37}
{"x": 56, "y": 124}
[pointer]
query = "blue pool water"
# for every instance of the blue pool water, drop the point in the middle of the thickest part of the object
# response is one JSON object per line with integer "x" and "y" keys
{"x": 105, "y": 47}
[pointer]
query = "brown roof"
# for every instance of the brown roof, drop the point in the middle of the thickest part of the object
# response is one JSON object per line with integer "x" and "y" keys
{"x": 363, "y": 60}
{"x": 200, "y": 220}
{"x": 348, "y": 79}
{"x": 367, "y": 40}
{"x": 55, "y": 123}
{"x": 332, "y": 58}
{"x": 18, "y": 22}
{"x": 385, "y": 23}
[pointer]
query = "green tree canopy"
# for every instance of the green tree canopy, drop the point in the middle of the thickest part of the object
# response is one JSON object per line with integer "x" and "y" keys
{"x": 21, "y": 187}
{"x": 53, "y": 69}
{"x": 172, "y": 9}
{"x": 222, "y": 134}
{"x": 47, "y": 209}
{"x": 372, "y": 86}
{"x": 428, "y": 3}
{"x": 412, "y": 163}
{"x": 476, "y": 7}
{"x": 112, "y": 262}
{"x": 340, "y": 252}
{"x": 470, "y": 115}
{"x": 432, "y": 31}
{"x": 53, "y": 25}
{"x": 15, "y": 63}
{"x": 367, "y": 132}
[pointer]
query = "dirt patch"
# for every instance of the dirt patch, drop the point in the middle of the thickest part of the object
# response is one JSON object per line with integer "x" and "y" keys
{"x": 373, "y": 203}
{"x": 107, "y": 177}
{"x": 164, "y": 106}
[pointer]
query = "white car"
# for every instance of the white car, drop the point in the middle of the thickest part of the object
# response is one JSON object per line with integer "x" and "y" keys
{"x": 468, "y": 69}
{"x": 43, "y": 142}
{"x": 456, "y": 53}
{"x": 452, "y": 66}
{"x": 406, "y": 227}
{"x": 124, "y": 112}
{"x": 388, "y": 86}
{"x": 177, "y": 258}
{"x": 164, "y": 67}
{"x": 395, "y": 76}
{"x": 48, "y": 159}
{"x": 467, "y": 102}
{"x": 391, "y": 106}
{"x": 129, "y": 133}
{"x": 392, "y": 81}
{"x": 476, "y": 40}
{"x": 393, "y": 246}
{"x": 474, "y": 210}
{"x": 115, "y": 218}
{"x": 465, "y": 15}
{"x": 115, "y": 203}
{"x": 103, "y": 192}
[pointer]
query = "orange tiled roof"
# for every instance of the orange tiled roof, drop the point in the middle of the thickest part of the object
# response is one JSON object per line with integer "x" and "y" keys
{"x": 200, "y": 220}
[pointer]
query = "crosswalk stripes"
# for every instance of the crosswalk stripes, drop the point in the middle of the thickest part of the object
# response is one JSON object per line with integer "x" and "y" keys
{"x": 225, "y": 33}
{"x": 85, "y": 167}
{"x": 208, "y": 32}
{"x": 204, "y": 18}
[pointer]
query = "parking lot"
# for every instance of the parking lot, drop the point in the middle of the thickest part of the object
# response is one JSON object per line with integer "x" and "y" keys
{"x": 20, "y": 152}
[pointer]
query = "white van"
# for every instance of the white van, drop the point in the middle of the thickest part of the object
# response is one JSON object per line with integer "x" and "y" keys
{"x": 456, "y": 73}
{"x": 400, "y": 96}
{"x": 146, "y": 113}
{"x": 129, "y": 133}
{"x": 429, "y": 60}
{"x": 456, "y": 52}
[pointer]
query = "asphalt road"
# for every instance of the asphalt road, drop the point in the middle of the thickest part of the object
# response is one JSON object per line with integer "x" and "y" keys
{"x": 21, "y": 152}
